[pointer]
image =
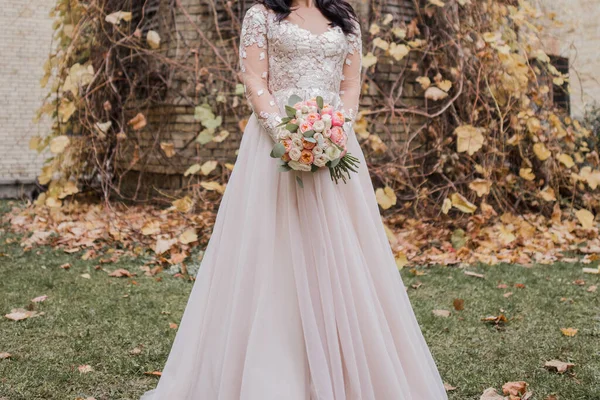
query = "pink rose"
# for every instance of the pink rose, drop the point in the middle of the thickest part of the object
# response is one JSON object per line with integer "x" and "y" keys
{"x": 308, "y": 145}
{"x": 311, "y": 103}
{"x": 327, "y": 109}
{"x": 298, "y": 105}
{"x": 338, "y": 118}
{"x": 312, "y": 117}
{"x": 338, "y": 136}
{"x": 306, "y": 157}
{"x": 305, "y": 126}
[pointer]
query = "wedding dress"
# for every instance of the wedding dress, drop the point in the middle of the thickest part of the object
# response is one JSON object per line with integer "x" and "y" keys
{"x": 298, "y": 296}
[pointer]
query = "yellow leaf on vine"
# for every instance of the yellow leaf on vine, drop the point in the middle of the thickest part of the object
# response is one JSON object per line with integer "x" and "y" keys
{"x": 548, "y": 194}
{"x": 481, "y": 186}
{"x": 592, "y": 177}
{"x": 527, "y": 174}
{"x": 398, "y": 51}
{"x": 192, "y": 170}
{"x": 168, "y": 148}
{"x": 424, "y": 81}
{"x": 541, "y": 151}
{"x": 445, "y": 85}
{"x": 470, "y": 139}
{"x": 208, "y": 167}
{"x": 447, "y": 205}
{"x": 369, "y": 60}
{"x": 464, "y": 205}
{"x": 566, "y": 160}
{"x": 386, "y": 197}
{"x": 59, "y": 144}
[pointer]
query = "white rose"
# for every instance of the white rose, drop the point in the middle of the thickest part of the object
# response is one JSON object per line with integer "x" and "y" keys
{"x": 284, "y": 134}
{"x": 296, "y": 135}
{"x": 298, "y": 113}
{"x": 297, "y": 143}
{"x": 332, "y": 152}
{"x": 295, "y": 165}
{"x": 326, "y": 118}
{"x": 318, "y": 126}
{"x": 312, "y": 109}
{"x": 321, "y": 160}
{"x": 317, "y": 150}
{"x": 295, "y": 154}
{"x": 304, "y": 109}
{"x": 327, "y": 133}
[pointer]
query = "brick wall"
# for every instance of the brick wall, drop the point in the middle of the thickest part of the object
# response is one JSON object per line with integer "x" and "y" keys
{"x": 578, "y": 40}
{"x": 173, "y": 121}
{"x": 24, "y": 45}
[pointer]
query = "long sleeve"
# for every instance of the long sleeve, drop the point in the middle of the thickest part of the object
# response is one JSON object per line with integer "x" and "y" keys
{"x": 350, "y": 86}
{"x": 254, "y": 65}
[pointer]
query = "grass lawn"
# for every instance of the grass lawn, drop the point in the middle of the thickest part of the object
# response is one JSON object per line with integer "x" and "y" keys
{"x": 100, "y": 321}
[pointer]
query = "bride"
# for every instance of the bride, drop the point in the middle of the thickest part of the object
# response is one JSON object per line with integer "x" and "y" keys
{"x": 298, "y": 296}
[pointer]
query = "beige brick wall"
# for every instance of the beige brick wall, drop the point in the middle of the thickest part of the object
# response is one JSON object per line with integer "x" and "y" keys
{"x": 24, "y": 46}
{"x": 579, "y": 40}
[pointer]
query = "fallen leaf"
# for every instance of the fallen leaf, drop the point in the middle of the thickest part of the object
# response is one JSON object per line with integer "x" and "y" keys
{"x": 541, "y": 151}
{"x": 586, "y": 218}
{"x": 121, "y": 273}
{"x": 459, "y": 304}
{"x": 441, "y": 313}
{"x": 592, "y": 289}
{"x": 475, "y": 274}
{"x": 153, "y": 39}
{"x": 558, "y": 366}
{"x": 469, "y": 139}
{"x": 188, "y": 236}
{"x": 514, "y": 388}
{"x": 153, "y": 373}
{"x": 19, "y": 314}
{"x": 500, "y": 319}
{"x": 173, "y": 325}
{"x": 508, "y": 294}
{"x": 85, "y": 276}
{"x": 491, "y": 394}
{"x": 85, "y": 369}
{"x": 569, "y": 331}
{"x": 449, "y": 387}
{"x": 460, "y": 202}
{"x": 65, "y": 266}
{"x": 435, "y": 93}
{"x": 39, "y": 299}
{"x": 4, "y": 356}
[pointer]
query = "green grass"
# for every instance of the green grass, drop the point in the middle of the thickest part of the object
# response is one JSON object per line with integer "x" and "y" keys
{"x": 98, "y": 321}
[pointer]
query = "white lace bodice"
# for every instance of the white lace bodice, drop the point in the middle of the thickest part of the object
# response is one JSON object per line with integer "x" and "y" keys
{"x": 280, "y": 58}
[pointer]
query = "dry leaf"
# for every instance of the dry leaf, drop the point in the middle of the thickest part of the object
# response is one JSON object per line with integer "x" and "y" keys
{"x": 208, "y": 167}
{"x": 500, "y": 319}
{"x": 441, "y": 313}
{"x": 85, "y": 369}
{"x": 569, "y": 331}
{"x": 469, "y": 139}
{"x": 558, "y": 366}
{"x": 188, "y": 236}
{"x": 527, "y": 174}
{"x": 586, "y": 218}
{"x": 459, "y": 304}
{"x": 464, "y": 205}
{"x": 491, "y": 394}
{"x": 541, "y": 151}
{"x": 184, "y": 205}
{"x": 153, "y": 39}
{"x": 121, "y": 273}
{"x": 435, "y": 94}
{"x": 59, "y": 144}
{"x": 168, "y": 148}
{"x": 476, "y": 275}
{"x": 173, "y": 325}
{"x": 138, "y": 122}
{"x": 39, "y": 299}
{"x": 386, "y": 197}
{"x": 4, "y": 356}
{"x": 514, "y": 388}
{"x": 481, "y": 186}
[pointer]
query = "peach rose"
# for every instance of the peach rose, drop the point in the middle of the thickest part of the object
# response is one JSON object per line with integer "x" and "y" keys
{"x": 338, "y": 119}
{"x": 313, "y": 117}
{"x": 305, "y": 127}
{"x": 287, "y": 144}
{"x": 306, "y": 157}
{"x": 308, "y": 145}
{"x": 338, "y": 136}
{"x": 286, "y": 157}
{"x": 298, "y": 105}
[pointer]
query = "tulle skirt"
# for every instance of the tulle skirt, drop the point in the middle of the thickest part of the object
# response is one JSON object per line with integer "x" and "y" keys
{"x": 298, "y": 296}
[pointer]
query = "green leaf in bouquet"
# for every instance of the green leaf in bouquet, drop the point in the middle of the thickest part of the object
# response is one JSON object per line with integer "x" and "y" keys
{"x": 314, "y": 168}
{"x": 284, "y": 121}
{"x": 294, "y": 99}
{"x": 278, "y": 151}
{"x": 290, "y": 111}
{"x": 292, "y": 127}
{"x": 348, "y": 119}
{"x": 284, "y": 167}
{"x": 310, "y": 139}
{"x": 300, "y": 183}
{"x": 309, "y": 134}
{"x": 320, "y": 102}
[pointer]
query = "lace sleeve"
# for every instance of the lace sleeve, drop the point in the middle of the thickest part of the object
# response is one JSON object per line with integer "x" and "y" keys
{"x": 254, "y": 65}
{"x": 351, "y": 75}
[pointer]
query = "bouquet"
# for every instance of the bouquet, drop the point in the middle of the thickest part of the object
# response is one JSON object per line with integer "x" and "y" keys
{"x": 314, "y": 137}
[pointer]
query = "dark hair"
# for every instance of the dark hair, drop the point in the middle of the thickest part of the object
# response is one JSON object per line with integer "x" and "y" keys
{"x": 339, "y": 12}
